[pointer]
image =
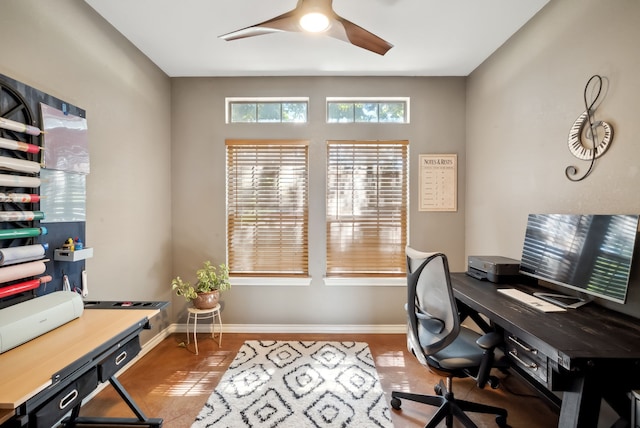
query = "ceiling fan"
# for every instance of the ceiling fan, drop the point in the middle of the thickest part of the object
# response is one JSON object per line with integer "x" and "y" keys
{"x": 316, "y": 16}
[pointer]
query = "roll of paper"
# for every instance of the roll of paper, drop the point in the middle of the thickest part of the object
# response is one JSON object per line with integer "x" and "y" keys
{"x": 20, "y": 165}
{"x": 23, "y": 270}
{"x": 19, "y": 288}
{"x": 21, "y": 215}
{"x": 19, "y": 197}
{"x": 18, "y": 181}
{"x": 25, "y": 259}
{"x": 27, "y": 232}
{"x": 18, "y": 145}
{"x": 12, "y": 125}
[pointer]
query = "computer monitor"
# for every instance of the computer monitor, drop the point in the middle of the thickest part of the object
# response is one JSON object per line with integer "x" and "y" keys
{"x": 588, "y": 253}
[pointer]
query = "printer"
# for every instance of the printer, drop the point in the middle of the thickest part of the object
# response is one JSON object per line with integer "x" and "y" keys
{"x": 493, "y": 268}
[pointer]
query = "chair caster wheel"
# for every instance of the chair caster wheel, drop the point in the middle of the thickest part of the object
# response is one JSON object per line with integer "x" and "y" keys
{"x": 502, "y": 421}
{"x": 494, "y": 382}
{"x": 438, "y": 390}
{"x": 396, "y": 403}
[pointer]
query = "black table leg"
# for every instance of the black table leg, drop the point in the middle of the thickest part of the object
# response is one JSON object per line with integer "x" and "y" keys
{"x": 141, "y": 420}
{"x": 581, "y": 403}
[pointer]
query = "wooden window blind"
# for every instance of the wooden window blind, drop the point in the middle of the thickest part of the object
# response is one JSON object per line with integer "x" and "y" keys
{"x": 267, "y": 207}
{"x": 367, "y": 208}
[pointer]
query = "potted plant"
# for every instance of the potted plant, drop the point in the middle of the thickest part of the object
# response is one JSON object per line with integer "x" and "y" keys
{"x": 205, "y": 294}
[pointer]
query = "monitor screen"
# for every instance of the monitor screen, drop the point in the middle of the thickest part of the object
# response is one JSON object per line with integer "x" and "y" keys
{"x": 588, "y": 253}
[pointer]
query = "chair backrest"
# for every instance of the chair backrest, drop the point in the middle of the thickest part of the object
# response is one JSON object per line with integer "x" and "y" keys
{"x": 433, "y": 321}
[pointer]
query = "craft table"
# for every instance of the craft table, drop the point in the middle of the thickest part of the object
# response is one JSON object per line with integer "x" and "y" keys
{"x": 74, "y": 357}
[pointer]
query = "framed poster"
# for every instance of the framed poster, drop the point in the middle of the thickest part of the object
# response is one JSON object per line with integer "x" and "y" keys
{"x": 439, "y": 182}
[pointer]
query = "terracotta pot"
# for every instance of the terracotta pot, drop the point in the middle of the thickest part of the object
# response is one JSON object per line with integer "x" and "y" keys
{"x": 207, "y": 300}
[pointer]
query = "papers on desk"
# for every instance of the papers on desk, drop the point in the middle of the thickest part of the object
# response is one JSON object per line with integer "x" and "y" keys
{"x": 530, "y": 300}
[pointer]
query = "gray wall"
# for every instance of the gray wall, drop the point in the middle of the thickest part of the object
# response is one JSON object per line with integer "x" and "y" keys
{"x": 521, "y": 104}
{"x": 199, "y": 132}
{"x": 157, "y": 148}
{"x": 157, "y": 152}
{"x": 65, "y": 49}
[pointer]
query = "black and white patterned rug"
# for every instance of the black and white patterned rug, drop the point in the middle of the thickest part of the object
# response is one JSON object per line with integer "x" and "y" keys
{"x": 298, "y": 385}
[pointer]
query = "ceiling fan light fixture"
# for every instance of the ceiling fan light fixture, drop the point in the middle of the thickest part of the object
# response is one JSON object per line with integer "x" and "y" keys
{"x": 315, "y": 16}
{"x": 314, "y": 22}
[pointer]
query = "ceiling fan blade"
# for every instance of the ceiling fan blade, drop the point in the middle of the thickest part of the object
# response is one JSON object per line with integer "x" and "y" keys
{"x": 285, "y": 22}
{"x": 349, "y": 32}
{"x": 340, "y": 28}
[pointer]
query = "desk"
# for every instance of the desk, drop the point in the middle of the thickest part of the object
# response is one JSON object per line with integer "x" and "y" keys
{"x": 38, "y": 369}
{"x": 588, "y": 353}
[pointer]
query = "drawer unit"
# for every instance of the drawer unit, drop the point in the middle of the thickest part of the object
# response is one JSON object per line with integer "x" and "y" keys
{"x": 119, "y": 358}
{"x": 528, "y": 358}
{"x": 64, "y": 400}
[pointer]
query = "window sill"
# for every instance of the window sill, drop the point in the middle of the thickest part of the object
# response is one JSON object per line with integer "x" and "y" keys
{"x": 270, "y": 281}
{"x": 330, "y": 282}
{"x": 366, "y": 282}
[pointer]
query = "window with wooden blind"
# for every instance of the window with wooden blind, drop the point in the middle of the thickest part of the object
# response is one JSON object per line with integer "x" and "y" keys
{"x": 367, "y": 204}
{"x": 267, "y": 207}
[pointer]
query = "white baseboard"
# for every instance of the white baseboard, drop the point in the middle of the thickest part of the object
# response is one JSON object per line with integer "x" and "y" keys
{"x": 297, "y": 328}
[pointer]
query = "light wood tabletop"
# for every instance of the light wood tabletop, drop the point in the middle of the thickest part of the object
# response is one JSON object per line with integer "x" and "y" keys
{"x": 27, "y": 369}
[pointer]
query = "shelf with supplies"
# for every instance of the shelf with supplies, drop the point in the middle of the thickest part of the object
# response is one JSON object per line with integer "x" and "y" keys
{"x": 36, "y": 132}
{"x": 72, "y": 256}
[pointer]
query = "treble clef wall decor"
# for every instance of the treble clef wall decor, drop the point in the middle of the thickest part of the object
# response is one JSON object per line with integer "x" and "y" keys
{"x": 593, "y": 149}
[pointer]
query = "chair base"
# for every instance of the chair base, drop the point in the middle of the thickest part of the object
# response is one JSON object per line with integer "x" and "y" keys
{"x": 449, "y": 407}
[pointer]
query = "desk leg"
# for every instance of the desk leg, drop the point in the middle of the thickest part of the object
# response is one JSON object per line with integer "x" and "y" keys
{"x": 467, "y": 312}
{"x": 581, "y": 404}
{"x": 127, "y": 398}
{"x": 141, "y": 420}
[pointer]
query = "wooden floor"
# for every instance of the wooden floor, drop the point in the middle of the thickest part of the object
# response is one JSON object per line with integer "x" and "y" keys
{"x": 173, "y": 383}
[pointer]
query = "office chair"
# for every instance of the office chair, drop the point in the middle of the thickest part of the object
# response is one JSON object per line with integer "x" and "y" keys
{"x": 441, "y": 344}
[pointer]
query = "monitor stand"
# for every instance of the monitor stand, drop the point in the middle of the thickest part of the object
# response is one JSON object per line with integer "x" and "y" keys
{"x": 562, "y": 300}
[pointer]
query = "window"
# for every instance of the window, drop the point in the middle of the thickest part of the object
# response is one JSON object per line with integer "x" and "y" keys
{"x": 267, "y": 203}
{"x": 267, "y": 110}
{"x": 363, "y": 110}
{"x": 367, "y": 203}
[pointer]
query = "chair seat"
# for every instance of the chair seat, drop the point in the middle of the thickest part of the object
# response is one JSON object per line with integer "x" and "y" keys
{"x": 461, "y": 354}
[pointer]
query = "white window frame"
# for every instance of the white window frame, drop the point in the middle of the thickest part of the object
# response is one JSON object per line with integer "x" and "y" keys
{"x": 229, "y": 100}
{"x": 353, "y": 278}
{"x": 405, "y": 100}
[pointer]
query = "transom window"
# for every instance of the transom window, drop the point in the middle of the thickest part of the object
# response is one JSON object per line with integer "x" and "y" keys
{"x": 367, "y": 110}
{"x": 267, "y": 110}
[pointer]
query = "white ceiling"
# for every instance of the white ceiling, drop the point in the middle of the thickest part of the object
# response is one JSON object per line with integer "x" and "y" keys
{"x": 430, "y": 37}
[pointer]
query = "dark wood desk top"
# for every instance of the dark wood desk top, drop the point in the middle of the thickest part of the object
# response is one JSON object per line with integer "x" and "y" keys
{"x": 587, "y": 334}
